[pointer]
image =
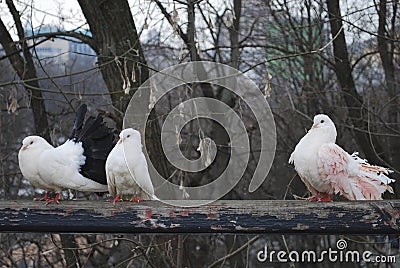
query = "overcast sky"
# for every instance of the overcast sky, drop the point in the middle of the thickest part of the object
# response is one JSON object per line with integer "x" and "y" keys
{"x": 47, "y": 12}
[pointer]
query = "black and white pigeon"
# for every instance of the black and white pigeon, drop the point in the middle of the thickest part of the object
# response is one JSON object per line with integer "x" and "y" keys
{"x": 77, "y": 164}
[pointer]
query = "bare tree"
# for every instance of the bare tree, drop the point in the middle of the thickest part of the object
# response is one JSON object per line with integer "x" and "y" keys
{"x": 354, "y": 101}
{"x": 284, "y": 46}
{"x": 386, "y": 48}
{"x": 25, "y": 68}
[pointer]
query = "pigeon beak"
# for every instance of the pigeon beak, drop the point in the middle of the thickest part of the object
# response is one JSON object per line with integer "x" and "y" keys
{"x": 120, "y": 141}
{"x": 24, "y": 147}
{"x": 314, "y": 126}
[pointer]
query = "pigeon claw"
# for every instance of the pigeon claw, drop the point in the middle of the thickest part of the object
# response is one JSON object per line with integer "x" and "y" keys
{"x": 324, "y": 197}
{"x": 116, "y": 199}
{"x": 136, "y": 199}
{"x": 56, "y": 199}
{"x": 43, "y": 198}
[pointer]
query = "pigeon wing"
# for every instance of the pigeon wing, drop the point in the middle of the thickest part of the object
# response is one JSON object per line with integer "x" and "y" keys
{"x": 60, "y": 167}
{"x": 97, "y": 141}
{"x": 333, "y": 166}
{"x": 143, "y": 177}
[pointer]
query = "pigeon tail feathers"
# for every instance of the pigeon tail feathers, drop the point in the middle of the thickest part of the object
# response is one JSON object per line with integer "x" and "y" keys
{"x": 372, "y": 180}
{"x": 79, "y": 119}
{"x": 97, "y": 141}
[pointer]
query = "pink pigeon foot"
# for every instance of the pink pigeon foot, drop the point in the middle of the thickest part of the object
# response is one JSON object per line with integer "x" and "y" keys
{"x": 136, "y": 199}
{"x": 56, "y": 199}
{"x": 116, "y": 199}
{"x": 43, "y": 198}
{"x": 324, "y": 197}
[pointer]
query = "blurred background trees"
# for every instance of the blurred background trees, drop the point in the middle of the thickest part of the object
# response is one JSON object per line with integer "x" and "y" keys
{"x": 335, "y": 57}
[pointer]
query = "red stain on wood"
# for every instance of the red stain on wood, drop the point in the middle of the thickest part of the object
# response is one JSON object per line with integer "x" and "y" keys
{"x": 148, "y": 214}
{"x": 172, "y": 214}
{"x": 211, "y": 216}
{"x": 184, "y": 213}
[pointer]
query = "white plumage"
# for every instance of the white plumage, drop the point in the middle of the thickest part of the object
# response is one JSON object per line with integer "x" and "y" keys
{"x": 59, "y": 167}
{"x": 327, "y": 169}
{"x": 28, "y": 161}
{"x": 126, "y": 168}
{"x": 55, "y": 168}
{"x": 77, "y": 164}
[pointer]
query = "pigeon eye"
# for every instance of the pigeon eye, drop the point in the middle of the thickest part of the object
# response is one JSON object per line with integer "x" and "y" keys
{"x": 128, "y": 136}
{"x": 31, "y": 142}
{"x": 322, "y": 121}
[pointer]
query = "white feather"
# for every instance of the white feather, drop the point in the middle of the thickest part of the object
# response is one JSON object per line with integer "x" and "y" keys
{"x": 55, "y": 169}
{"x": 326, "y": 168}
{"x": 28, "y": 155}
{"x": 60, "y": 167}
{"x": 126, "y": 168}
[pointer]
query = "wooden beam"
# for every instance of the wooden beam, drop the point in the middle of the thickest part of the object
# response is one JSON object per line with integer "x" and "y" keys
{"x": 225, "y": 216}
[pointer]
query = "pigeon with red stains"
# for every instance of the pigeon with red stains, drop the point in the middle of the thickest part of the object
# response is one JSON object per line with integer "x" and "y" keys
{"x": 126, "y": 168}
{"x": 326, "y": 169}
{"x": 77, "y": 164}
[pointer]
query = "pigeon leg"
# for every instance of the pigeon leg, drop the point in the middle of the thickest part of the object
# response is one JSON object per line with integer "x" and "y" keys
{"x": 324, "y": 197}
{"x": 116, "y": 199}
{"x": 56, "y": 199}
{"x": 136, "y": 199}
{"x": 43, "y": 198}
{"x": 311, "y": 198}
{"x": 320, "y": 197}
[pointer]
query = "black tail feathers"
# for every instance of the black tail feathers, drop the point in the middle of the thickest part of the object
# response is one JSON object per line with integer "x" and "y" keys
{"x": 97, "y": 141}
{"x": 80, "y": 117}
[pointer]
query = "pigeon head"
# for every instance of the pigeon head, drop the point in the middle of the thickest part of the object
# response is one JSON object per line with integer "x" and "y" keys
{"x": 32, "y": 143}
{"x": 129, "y": 135}
{"x": 323, "y": 125}
{"x": 322, "y": 121}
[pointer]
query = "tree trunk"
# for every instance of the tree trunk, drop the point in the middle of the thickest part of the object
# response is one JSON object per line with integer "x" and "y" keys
{"x": 310, "y": 64}
{"x": 354, "y": 101}
{"x": 191, "y": 31}
{"x": 120, "y": 55}
{"x": 234, "y": 33}
{"x": 122, "y": 62}
{"x": 385, "y": 48}
{"x": 25, "y": 69}
{"x": 225, "y": 95}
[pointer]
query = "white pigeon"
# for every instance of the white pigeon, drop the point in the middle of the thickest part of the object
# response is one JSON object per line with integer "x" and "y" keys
{"x": 77, "y": 164}
{"x": 327, "y": 169}
{"x": 126, "y": 168}
{"x": 29, "y": 165}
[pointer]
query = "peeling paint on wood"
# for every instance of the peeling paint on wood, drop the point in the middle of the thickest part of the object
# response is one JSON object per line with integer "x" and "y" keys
{"x": 226, "y": 216}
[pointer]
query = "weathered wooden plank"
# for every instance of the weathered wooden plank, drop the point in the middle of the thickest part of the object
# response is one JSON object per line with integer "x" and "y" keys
{"x": 227, "y": 216}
